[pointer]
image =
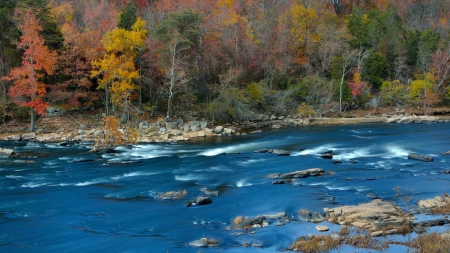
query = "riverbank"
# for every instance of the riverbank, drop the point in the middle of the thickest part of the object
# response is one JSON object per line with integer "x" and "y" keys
{"x": 88, "y": 129}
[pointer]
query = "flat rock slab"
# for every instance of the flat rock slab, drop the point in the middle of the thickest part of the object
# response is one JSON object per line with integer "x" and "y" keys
{"x": 438, "y": 201}
{"x": 297, "y": 174}
{"x": 373, "y": 215}
{"x": 423, "y": 158}
{"x": 322, "y": 228}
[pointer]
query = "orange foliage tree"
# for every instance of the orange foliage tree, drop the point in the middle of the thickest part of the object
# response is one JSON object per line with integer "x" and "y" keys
{"x": 37, "y": 60}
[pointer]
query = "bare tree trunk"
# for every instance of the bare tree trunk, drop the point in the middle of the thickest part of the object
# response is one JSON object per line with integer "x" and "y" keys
{"x": 107, "y": 100}
{"x": 33, "y": 123}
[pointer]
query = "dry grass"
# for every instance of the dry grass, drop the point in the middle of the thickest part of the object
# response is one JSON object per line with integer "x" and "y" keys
{"x": 320, "y": 243}
{"x": 303, "y": 211}
{"x": 238, "y": 220}
{"x": 172, "y": 194}
{"x": 362, "y": 239}
{"x": 441, "y": 210}
{"x": 431, "y": 243}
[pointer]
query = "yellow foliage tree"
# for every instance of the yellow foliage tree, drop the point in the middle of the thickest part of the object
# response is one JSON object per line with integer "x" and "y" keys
{"x": 422, "y": 90}
{"x": 304, "y": 23}
{"x": 116, "y": 68}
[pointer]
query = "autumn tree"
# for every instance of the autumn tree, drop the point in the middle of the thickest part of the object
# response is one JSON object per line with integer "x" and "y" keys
{"x": 341, "y": 67}
{"x": 304, "y": 31}
{"x": 37, "y": 60}
{"x": 179, "y": 33}
{"x": 116, "y": 69}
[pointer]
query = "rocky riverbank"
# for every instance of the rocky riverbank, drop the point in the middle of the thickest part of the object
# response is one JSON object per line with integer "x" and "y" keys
{"x": 180, "y": 130}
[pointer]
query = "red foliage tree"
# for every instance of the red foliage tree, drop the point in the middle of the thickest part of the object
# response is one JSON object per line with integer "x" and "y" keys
{"x": 28, "y": 90}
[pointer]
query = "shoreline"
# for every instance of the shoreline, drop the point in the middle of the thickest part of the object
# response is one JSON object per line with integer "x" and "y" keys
{"x": 169, "y": 132}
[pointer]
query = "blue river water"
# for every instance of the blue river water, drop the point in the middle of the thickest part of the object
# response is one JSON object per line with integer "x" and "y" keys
{"x": 71, "y": 200}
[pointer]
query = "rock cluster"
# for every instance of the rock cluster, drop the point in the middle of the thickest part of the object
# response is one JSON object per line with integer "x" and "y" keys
{"x": 372, "y": 216}
{"x": 412, "y": 119}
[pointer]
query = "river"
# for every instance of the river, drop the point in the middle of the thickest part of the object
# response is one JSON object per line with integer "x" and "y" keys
{"x": 71, "y": 200}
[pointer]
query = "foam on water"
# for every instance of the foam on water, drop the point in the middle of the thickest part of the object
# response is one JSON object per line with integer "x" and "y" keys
{"x": 394, "y": 151}
{"x": 33, "y": 185}
{"x": 249, "y": 162}
{"x": 133, "y": 174}
{"x": 95, "y": 181}
{"x": 189, "y": 177}
{"x": 243, "y": 183}
{"x": 316, "y": 150}
{"x": 13, "y": 176}
{"x": 215, "y": 168}
{"x": 248, "y": 147}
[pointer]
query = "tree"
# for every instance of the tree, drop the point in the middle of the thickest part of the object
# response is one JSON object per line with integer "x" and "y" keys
{"x": 179, "y": 33}
{"x": 375, "y": 69}
{"x": 304, "y": 31}
{"x": 422, "y": 90}
{"x": 37, "y": 60}
{"x": 341, "y": 66}
{"x": 128, "y": 17}
{"x": 116, "y": 68}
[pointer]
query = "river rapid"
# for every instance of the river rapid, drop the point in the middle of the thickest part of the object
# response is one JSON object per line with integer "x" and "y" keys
{"x": 71, "y": 200}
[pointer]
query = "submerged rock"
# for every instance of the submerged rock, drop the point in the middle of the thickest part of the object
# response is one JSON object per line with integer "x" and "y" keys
{"x": 280, "y": 152}
{"x": 208, "y": 192}
{"x": 423, "y": 158}
{"x": 312, "y": 217}
{"x": 203, "y": 242}
{"x": 277, "y": 152}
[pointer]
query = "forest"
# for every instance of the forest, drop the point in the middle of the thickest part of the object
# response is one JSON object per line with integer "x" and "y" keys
{"x": 225, "y": 60}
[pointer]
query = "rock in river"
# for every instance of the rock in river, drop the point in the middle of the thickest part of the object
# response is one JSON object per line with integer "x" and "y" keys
{"x": 6, "y": 152}
{"x": 423, "y": 158}
{"x": 297, "y": 174}
{"x": 203, "y": 242}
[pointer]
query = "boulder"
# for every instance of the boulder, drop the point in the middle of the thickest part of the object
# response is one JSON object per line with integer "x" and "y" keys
{"x": 14, "y": 137}
{"x": 202, "y": 200}
{"x": 218, "y": 129}
{"x": 423, "y": 158}
{"x": 326, "y": 156}
{"x": 6, "y": 153}
{"x": 28, "y": 136}
{"x": 248, "y": 222}
{"x": 227, "y": 131}
{"x": 171, "y": 125}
